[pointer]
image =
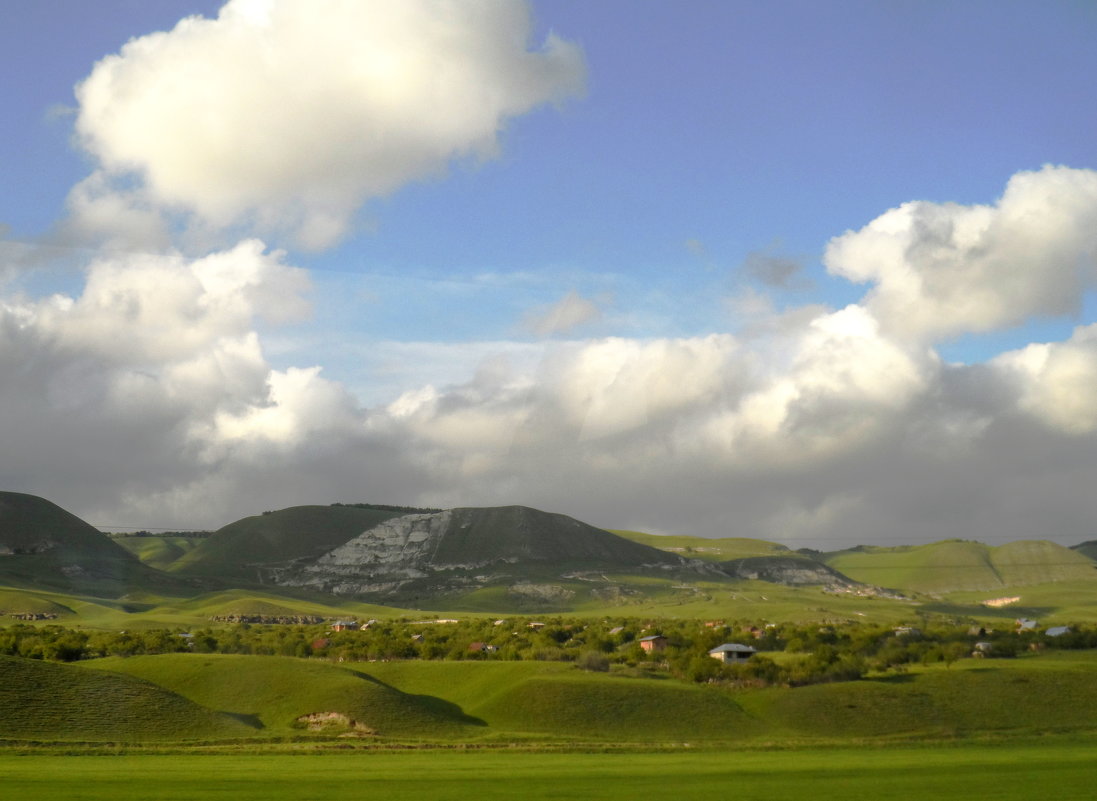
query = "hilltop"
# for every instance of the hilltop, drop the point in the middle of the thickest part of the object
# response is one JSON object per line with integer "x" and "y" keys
{"x": 468, "y": 548}
{"x": 254, "y": 549}
{"x": 44, "y": 546}
{"x": 318, "y": 560}
{"x": 962, "y": 565}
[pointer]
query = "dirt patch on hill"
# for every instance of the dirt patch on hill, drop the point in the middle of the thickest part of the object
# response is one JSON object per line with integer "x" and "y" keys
{"x": 335, "y": 723}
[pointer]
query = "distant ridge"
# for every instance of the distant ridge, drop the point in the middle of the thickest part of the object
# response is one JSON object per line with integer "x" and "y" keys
{"x": 42, "y": 545}
{"x": 254, "y": 548}
{"x": 454, "y": 548}
{"x": 957, "y": 565}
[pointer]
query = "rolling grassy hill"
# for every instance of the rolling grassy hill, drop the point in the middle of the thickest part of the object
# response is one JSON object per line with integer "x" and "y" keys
{"x": 158, "y": 552}
{"x": 242, "y": 550}
{"x": 48, "y": 701}
{"x": 275, "y": 692}
{"x": 534, "y": 701}
{"x": 957, "y": 565}
{"x": 44, "y": 547}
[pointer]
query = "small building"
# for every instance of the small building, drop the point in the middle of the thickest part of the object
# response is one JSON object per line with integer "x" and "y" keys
{"x": 616, "y": 630}
{"x": 1057, "y": 631}
{"x": 655, "y": 642}
{"x": 1024, "y": 624}
{"x": 983, "y": 648}
{"x": 732, "y": 652}
{"x": 482, "y": 648}
{"x": 344, "y": 625}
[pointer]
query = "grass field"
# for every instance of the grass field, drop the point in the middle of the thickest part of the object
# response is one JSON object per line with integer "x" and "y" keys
{"x": 551, "y": 702}
{"x": 1058, "y": 768}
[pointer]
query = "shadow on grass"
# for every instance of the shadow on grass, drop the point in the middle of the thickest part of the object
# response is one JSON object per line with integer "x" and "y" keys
{"x": 431, "y": 703}
{"x": 247, "y": 720}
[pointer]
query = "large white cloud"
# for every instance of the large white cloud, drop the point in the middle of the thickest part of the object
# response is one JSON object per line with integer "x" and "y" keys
{"x": 945, "y": 269}
{"x": 288, "y": 114}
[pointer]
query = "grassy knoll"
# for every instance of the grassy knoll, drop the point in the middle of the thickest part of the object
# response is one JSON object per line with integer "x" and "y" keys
{"x": 1028, "y": 695}
{"x": 159, "y": 552}
{"x": 275, "y": 691}
{"x": 21, "y": 602}
{"x": 43, "y": 700}
{"x": 558, "y": 701}
{"x": 954, "y": 565}
{"x": 176, "y": 697}
{"x": 1008, "y": 772}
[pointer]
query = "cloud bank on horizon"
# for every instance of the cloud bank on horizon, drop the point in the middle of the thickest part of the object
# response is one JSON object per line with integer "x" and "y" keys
{"x": 147, "y": 394}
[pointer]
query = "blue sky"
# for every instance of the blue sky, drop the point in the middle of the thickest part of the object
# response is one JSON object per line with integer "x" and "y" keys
{"x": 678, "y": 178}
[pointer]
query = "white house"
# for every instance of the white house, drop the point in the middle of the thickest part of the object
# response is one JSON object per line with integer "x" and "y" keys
{"x": 732, "y": 652}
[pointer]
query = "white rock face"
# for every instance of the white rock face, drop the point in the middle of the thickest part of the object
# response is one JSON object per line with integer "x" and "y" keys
{"x": 401, "y": 542}
{"x": 398, "y": 549}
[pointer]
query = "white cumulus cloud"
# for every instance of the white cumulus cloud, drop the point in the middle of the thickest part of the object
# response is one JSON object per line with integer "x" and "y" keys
{"x": 942, "y": 269}
{"x": 286, "y": 115}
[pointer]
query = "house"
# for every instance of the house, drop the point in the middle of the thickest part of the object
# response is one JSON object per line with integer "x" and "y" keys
{"x": 344, "y": 625}
{"x": 616, "y": 630}
{"x": 983, "y": 648}
{"x": 535, "y": 624}
{"x": 655, "y": 642}
{"x": 1024, "y": 624}
{"x": 1057, "y": 631}
{"x": 482, "y": 647}
{"x": 732, "y": 652}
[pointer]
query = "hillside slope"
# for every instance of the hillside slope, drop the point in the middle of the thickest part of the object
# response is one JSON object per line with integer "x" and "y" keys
{"x": 959, "y": 565}
{"x": 257, "y": 548}
{"x": 469, "y": 547}
{"x": 277, "y": 692}
{"x": 45, "y": 700}
{"x": 44, "y": 546}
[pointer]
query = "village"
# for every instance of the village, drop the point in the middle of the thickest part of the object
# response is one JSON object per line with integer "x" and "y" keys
{"x": 737, "y": 654}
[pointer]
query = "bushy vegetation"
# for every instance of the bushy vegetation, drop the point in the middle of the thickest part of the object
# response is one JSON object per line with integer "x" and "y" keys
{"x": 384, "y": 507}
{"x": 787, "y": 655}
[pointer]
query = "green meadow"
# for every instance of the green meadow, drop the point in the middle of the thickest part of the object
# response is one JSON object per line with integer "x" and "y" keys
{"x": 1059, "y": 768}
{"x": 257, "y": 700}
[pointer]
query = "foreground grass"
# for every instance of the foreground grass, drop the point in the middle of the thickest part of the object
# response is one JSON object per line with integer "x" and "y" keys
{"x": 1006, "y": 772}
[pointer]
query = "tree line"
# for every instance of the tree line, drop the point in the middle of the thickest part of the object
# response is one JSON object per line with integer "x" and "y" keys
{"x": 787, "y": 654}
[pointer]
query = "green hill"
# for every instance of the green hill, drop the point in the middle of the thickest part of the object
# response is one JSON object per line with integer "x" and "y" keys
{"x": 276, "y": 692}
{"x": 43, "y": 546}
{"x": 158, "y": 552}
{"x": 48, "y": 701}
{"x": 711, "y": 550}
{"x": 1054, "y": 692}
{"x": 251, "y": 549}
{"x": 519, "y": 533}
{"x": 416, "y": 560}
{"x": 961, "y": 565}
{"x": 1086, "y": 549}
{"x": 506, "y": 701}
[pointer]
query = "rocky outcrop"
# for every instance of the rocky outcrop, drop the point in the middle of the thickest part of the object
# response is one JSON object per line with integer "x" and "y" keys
{"x": 378, "y": 560}
{"x": 465, "y": 548}
{"x": 788, "y": 570}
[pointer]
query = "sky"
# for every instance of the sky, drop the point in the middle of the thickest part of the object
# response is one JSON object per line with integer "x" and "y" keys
{"x": 817, "y": 273}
